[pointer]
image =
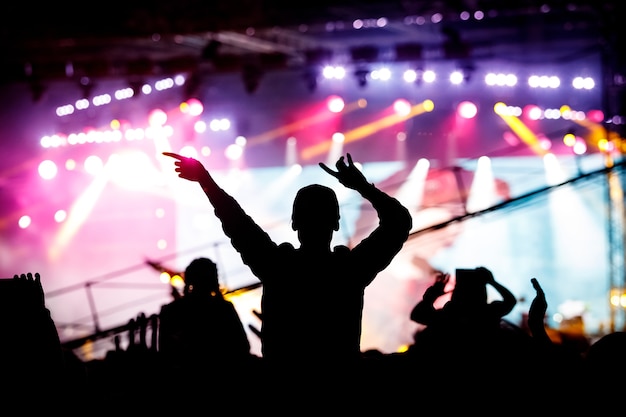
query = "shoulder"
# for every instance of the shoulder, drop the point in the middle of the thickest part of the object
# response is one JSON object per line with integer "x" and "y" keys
{"x": 341, "y": 250}
{"x": 173, "y": 306}
{"x": 286, "y": 247}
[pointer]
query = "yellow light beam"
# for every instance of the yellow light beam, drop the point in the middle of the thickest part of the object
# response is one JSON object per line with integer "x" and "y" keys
{"x": 369, "y": 129}
{"x": 522, "y": 131}
{"x": 597, "y": 132}
{"x": 298, "y": 125}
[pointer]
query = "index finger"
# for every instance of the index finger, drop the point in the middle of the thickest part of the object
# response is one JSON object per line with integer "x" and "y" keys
{"x": 173, "y": 155}
{"x": 325, "y": 168}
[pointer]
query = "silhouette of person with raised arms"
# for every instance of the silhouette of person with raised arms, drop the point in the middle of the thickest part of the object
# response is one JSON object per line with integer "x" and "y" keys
{"x": 32, "y": 360}
{"x": 468, "y": 306}
{"x": 201, "y": 330}
{"x": 313, "y": 295}
{"x": 466, "y": 333}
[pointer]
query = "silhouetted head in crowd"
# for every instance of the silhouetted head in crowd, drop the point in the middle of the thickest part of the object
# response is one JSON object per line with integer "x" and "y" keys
{"x": 470, "y": 288}
{"x": 315, "y": 214}
{"x": 201, "y": 277}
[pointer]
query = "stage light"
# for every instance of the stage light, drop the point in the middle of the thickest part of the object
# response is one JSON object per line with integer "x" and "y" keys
{"x": 219, "y": 125}
{"x": 200, "y": 126}
{"x": 93, "y": 165}
{"x": 47, "y": 169}
{"x": 60, "y": 216}
{"x": 334, "y": 72}
{"x": 24, "y": 222}
{"x": 233, "y": 152}
{"x": 402, "y": 107}
{"x": 501, "y": 80}
{"x": 335, "y": 104}
{"x": 580, "y": 147}
{"x": 429, "y": 76}
{"x": 189, "y": 151}
{"x": 544, "y": 81}
{"x": 241, "y": 141}
{"x": 569, "y": 139}
{"x": 596, "y": 116}
{"x": 412, "y": 76}
{"x": 383, "y": 74}
{"x": 456, "y": 77}
{"x": 192, "y": 107}
{"x": 467, "y": 110}
{"x": 533, "y": 112}
{"x": 157, "y": 118}
{"x": 585, "y": 83}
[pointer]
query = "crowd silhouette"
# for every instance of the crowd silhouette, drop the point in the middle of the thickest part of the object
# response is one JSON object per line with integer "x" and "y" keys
{"x": 465, "y": 356}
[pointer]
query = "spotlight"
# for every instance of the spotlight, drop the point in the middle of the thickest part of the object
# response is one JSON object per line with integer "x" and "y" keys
{"x": 463, "y": 74}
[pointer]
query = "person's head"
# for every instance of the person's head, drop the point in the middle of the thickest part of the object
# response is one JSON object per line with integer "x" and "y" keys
{"x": 470, "y": 287}
{"x": 315, "y": 212}
{"x": 201, "y": 277}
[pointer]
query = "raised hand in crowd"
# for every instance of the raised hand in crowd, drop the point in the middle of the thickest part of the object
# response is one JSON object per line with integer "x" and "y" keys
{"x": 31, "y": 354}
{"x": 537, "y": 314}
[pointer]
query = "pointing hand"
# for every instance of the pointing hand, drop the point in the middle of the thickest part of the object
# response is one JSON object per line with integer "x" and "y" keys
{"x": 188, "y": 168}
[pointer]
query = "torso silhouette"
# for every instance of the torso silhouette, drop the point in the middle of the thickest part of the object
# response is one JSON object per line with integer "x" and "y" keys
{"x": 312, "y": 304}
{"x": 201, "y": 328}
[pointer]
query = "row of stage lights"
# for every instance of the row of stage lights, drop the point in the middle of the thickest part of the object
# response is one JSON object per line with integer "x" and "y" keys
{"x": 157, "y": 120}
{"x": 416, "y": 76}
{"x": 456, "y": 77}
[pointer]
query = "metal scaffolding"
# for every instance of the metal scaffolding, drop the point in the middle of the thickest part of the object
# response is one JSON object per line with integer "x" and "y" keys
{"x": 617, "y": 277}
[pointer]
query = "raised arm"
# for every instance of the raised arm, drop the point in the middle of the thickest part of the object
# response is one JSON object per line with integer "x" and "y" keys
{"x": 191, "y": 169}
{"x": 505, "y": 306}
{"x": 537, "y": 315}
{"x": 378, "y": 249}
{"x": 252, "y": 242}
{"x": 424, "y": 310}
